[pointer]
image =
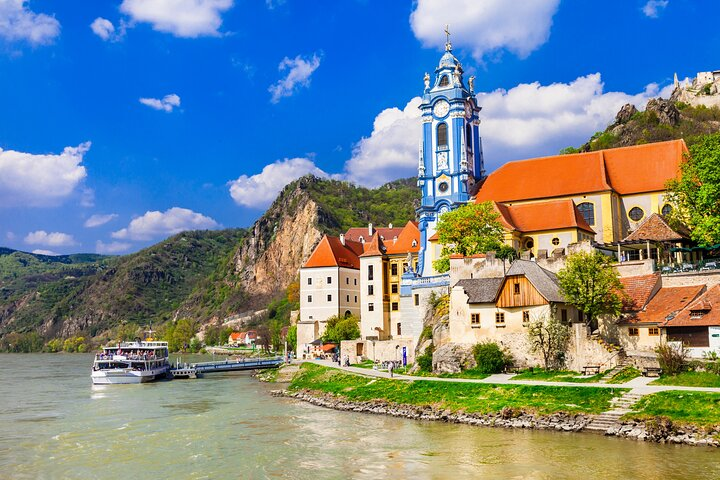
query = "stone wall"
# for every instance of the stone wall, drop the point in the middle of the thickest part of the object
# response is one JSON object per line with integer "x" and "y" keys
{"x": 378, "y": 350}
{"x": 709, "y": 278}
{"x": 585, "y": 350}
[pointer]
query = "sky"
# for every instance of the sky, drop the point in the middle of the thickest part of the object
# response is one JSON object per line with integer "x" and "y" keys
{"x": 126, "y": 121}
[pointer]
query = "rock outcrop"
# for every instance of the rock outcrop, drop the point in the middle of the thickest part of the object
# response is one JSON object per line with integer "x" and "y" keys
{"x": 453, "y": 358}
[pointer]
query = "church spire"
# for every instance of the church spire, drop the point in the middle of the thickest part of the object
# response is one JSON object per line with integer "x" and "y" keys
{"x": 448, "y": 45}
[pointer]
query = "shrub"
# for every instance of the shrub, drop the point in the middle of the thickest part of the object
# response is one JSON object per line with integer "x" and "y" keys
{"x": 490, "y": 357}
{"x": 672, "y": 360}
{"x": 424, "y": 361}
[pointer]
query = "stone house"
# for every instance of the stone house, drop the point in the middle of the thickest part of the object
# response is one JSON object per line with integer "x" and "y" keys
{"x": 500, "y": 309}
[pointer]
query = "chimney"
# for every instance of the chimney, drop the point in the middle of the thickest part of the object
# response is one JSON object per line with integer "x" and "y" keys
{"x": 390, "y": 225}
{"x": 342, "y": 238}
{"x": 370, "y": 229}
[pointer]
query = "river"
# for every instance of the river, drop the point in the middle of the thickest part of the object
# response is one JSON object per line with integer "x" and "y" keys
{"x": 55, "y": 424}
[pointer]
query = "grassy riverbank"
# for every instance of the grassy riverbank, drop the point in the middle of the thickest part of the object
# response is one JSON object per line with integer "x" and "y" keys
{"x": 467, "y": 397}
{"x": 694, "y": 408}
{"x": 690, "y": 379}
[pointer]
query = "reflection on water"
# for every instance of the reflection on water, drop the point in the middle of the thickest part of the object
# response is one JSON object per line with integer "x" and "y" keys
{"x": 55, "y": 424}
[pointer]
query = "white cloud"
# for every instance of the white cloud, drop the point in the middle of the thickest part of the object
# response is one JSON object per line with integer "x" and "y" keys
{"x": 105, "y": 29}
{"x": 258, "y": 191}
{"x": 154, "y": 224}
{"x": 167, "y": 103}
{"x": 52, "y": 239}
{"x": 652, "y": 8}
{"x": 40, "y": 180}
{"x": 111, "y": 248}
{"x": 182, "y": 18}
{"x": 485, "y": 26}
{"x": 529, "y": 120}
{"x": 40, "y": 251}
{"x": 10, "y": 236}
{"x": 99, "y": 219}
{"x": 298, "y": 75}
{"x": 391, "y": 151}
{"x": 19, "y": 23}
{"x": 532, "y": 120}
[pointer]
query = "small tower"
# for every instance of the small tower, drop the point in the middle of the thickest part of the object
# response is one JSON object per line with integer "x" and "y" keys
{"x": 450, "y": 159}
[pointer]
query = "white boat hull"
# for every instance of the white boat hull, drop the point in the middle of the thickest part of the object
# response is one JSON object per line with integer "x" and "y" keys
{"x": 121, "y": 376}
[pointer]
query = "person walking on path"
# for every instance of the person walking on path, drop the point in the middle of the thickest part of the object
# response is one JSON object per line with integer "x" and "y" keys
{"x": 390, "y": 368}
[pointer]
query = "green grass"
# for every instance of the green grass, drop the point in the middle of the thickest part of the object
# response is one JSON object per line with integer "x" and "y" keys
{"x": 696, "y": 408}
{"x": 690, "y": 379}
{"x": 468, "y": 397}
{"x": 556, "y": 376}
{"x": 364, "y": 364}
{"x": 625, "y": 375}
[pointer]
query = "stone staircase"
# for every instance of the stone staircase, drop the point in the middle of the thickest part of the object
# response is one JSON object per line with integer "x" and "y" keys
{"x": 621, "y": 405}
{"x": 623, "y": 362}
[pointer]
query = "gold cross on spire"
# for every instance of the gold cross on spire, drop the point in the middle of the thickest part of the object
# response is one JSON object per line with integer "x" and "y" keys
{"x": 448, "y": 46}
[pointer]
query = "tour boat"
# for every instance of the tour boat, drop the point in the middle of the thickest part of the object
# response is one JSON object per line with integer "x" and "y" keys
{"x": 131, "y": 362}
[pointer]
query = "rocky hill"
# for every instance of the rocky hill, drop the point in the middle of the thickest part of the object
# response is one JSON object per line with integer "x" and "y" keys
{"x": 205, "y": 275}
{"x": 660, "y": 121}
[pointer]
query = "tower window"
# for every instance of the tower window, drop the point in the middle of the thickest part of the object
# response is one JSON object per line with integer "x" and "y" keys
{"x": 468, "y": 137}
{"x": 666, "y": 210}
{"x": 442, "y": 135}
{"x": 444, "y": 81}
{"x": 587, "y": 210}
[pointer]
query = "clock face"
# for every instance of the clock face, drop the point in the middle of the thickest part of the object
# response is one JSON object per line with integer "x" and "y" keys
{"x": 441, "y": 108}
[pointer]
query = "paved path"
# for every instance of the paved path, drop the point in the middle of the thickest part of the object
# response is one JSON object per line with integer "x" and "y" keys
{"x": 639, "y": 385}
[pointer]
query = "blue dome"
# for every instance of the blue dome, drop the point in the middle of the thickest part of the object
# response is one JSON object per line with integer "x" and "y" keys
{"x": 448, "y": 60}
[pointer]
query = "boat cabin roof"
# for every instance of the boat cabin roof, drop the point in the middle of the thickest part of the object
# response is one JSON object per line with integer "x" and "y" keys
{"x": 138, "y": 345}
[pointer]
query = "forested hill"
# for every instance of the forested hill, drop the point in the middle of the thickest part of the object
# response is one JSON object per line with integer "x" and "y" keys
{"x": 201, "y": 275}
{"x": 660, "y": 121}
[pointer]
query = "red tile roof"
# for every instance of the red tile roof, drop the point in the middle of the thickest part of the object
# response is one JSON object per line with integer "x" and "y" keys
{"x": 535, "y": 217}
{"x": 704, "y": 312}
{"x": 356, "y": 233}
{"x": 638, "y": 290}
{"x": 655, "y": 229}
{"x": 400, "y": 244}
{"x": 235, "y": 335}
{"x": 330, "y": 252}
{"x": 666, "y": 302}
{"x": 582, "y": 173}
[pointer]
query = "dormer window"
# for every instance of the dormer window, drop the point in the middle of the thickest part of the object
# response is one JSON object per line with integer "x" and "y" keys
{"x": 696, "y": 314}
{"x": 444, "y": 81}
{"x": 414, "y": 243}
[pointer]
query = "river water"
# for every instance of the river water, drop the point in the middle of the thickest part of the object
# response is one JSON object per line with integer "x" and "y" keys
{"x": 55, "y": 424}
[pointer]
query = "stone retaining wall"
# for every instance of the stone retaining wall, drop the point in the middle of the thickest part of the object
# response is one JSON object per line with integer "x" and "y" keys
{"x": 659, "y": 431}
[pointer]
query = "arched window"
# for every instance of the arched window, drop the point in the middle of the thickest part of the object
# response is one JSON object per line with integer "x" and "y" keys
{"x": 442, "y": 135}
{"x": 666, "y": 210}
{"x": 444, "y": 81}
{"x": 468, "y": 137}
{"x": 587, "y": 210}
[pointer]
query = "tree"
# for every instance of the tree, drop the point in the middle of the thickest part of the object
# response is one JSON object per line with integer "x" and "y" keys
{"x": 695, "y": 196}
{"x": 549, "y": 337}
{"x": 179, "y": 335}
{"x": 470, "y": 229}
{"x": 591, "y": 284}
{"x": 292, "y": 338}
{"x": 341, "y": 328}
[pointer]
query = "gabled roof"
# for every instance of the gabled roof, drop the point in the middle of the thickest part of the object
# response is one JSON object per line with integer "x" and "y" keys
{"x": 655, "y": 229}
{"x": 638, "y": 291}
{"x": 331, "y": 252}
{"x": 481, "y": 290}
{"x": 703, "y": 312}
{"x": 355, "y": 233}
{"x": 400, "y": 244}
{"x": 236, "y": 335}
{"x": 544, "y": 281}
{"x": 582, "y": 173}
{"x": 540, "y": 216}
{"x": 665, "y": 304}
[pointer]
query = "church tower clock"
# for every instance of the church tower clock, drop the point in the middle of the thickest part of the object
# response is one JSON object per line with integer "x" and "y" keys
{"x": 450, "y": 158}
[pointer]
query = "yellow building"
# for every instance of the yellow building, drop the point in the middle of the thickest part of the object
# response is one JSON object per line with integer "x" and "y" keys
{"x": 613, "y": 190}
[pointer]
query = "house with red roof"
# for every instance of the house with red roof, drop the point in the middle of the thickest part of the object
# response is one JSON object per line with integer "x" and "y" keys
{"x": 541, "y": 199}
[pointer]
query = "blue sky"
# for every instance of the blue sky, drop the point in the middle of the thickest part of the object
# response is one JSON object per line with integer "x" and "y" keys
{"x": 128, "y": 120}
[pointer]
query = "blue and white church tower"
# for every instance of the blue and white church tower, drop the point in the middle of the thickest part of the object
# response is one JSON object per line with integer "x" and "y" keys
{"x": 450, "y": 158}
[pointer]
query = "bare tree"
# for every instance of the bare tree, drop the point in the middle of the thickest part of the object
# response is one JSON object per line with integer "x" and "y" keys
{"x": 549, "y": 337}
